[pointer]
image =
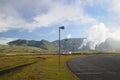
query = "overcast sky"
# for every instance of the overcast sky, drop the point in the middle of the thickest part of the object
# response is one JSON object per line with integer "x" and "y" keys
{"x": 40, "y": 19}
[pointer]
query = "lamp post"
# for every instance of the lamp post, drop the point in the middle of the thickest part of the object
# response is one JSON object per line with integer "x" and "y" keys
{"x": 61, "y": 27}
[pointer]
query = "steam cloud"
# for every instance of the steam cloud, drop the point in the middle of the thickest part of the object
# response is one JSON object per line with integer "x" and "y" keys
{"x": 98, "y": 33}
{"x": 69, "y": 36}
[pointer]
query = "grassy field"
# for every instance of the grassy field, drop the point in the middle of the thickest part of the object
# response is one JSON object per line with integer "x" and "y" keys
{"x": 47, "y": 68}
{"x": 18, "y": 49}
{"x": 10, "y": 62}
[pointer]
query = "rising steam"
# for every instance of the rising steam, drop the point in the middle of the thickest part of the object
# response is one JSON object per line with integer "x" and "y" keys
{"x": 98, "y": 34}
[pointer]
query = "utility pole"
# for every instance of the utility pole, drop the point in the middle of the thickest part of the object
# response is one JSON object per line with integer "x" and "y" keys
{"x": 61, "y": 27}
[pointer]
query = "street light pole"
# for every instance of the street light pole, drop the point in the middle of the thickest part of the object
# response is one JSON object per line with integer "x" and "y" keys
{"x": 61, "y": 27}
{"x": 59, "y": 46}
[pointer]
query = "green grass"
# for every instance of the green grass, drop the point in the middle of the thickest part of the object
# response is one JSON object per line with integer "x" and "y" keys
{"x": 46, "y": 69}
{"x": 6, "y": 49}
{"x": 9, "y": 62}
{"x": 18, "y": 49}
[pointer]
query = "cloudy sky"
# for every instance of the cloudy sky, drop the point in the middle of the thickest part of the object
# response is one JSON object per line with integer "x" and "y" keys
{"x": 40, "y": 19}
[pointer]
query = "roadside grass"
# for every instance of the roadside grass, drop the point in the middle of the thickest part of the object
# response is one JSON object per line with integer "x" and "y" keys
{"x": 45, "y": 69}
{"x": 7, "y": 62}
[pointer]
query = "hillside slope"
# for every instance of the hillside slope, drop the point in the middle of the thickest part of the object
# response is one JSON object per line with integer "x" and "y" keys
{"x": 43, "y": 44}
{"x": 13, "y": 48}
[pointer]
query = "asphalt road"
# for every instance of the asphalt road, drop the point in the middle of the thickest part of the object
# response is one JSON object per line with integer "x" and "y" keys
{"x": 96, "y": 67}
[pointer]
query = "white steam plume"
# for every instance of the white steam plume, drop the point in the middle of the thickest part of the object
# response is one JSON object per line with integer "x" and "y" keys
{"x": 97, "y": 34}
{"x": 69, "y": 36}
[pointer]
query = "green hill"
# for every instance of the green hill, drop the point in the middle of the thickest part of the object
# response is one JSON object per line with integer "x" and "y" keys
{"x": 13, "y": 48}
{"x": 43, "y": 44}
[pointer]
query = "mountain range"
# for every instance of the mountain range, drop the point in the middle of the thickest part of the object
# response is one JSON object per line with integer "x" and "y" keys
{"x": 43, "y": 44}
{"x": 71, "y": 44}
{"x": 66, "y": 44}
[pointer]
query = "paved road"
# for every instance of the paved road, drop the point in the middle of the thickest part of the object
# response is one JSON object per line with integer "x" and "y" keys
{"x": 96, "y": 67}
